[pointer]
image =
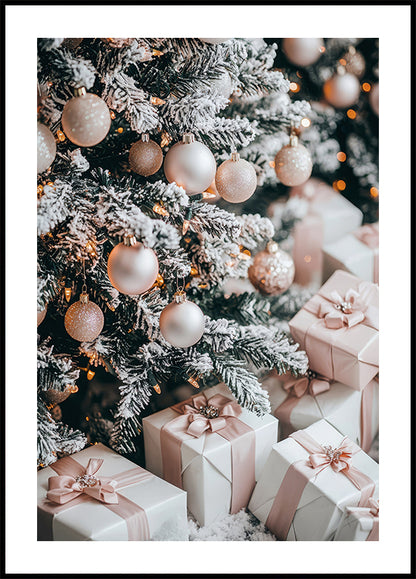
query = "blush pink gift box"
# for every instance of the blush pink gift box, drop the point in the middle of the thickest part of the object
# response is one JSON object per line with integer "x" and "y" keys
{"x": 338, "y": 329}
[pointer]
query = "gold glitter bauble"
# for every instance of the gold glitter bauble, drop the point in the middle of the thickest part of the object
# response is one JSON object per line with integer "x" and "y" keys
{"x": 57, "y": 396}
{"x": 236, "y": 179}
{"x": 145, "y": 157}
{"x": 132, "y": 269}
{"x": 46, "y": 148}
{"x": 86, "y": 120}
{"x": 84, "y": 320}
{"x": 272, "y": 270}
{"x": 342, "y": 90}
{"x": 293, "y": 164}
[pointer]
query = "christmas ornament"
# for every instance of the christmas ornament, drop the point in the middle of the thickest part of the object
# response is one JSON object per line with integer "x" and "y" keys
{"x": 57, "y": 396}
{"x": 342, "y": 90}
{"x": 46, "y": 148}
{"x": 293, "y": 163}
{"x": 132, "y": 267}
{"x": 182, "y": 323}
{"x": 190, "y": 164}
{"x": 236, "y": 179}
{"x": 374, "y": 99}
{"x": 272, "y": 270}
{"x": 86, "y": 119}
{"x": 145, "y": 157}
{"x": 41, "y": 315}
{"x": 223, "y": 85}
{"x": 354, "y": 62}
{"x": 302, "y": 51}
{"x": 214, "y": 40}
{"x": 84, "y": 320}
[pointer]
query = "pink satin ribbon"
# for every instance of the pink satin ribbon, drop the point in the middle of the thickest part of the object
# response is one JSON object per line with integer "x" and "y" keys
{"x": 371, "y": 508}
{"x": 366, "y": 421}
{"x": 369, "y": 235}
{"x": 191, "y": 423}
{"x": 67, "y": 490}
{"x": 301, "y": 472}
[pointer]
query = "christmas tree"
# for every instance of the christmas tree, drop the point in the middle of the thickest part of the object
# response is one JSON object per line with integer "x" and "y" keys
{"x": 133, "y": 259}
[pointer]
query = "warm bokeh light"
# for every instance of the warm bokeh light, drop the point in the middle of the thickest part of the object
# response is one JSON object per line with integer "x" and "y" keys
{"x": 351, "y": 114}
{"x": 294, "y": 87}
{"x": 366, "y": 86}
{"x": 374, "y": 192}
{"x": 341, "y": 156}
{"x": 342, "y": 61}
{"x": 322, "y": 49}
{"x": 272, "y": 164}
{"x": 307, "y": 258}
{"x": 305, "y": 122}
{"x": 341, "y": 185}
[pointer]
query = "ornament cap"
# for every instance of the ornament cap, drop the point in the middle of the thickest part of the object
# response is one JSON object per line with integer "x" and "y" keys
{"x": 293, "y": 139}
{"x": 188, "y": 138}
{"x": 80, "y": 91}
{"x": 129, "y": 240}
{"x": 235, "y": 156}
{"x": 272, "y": 246}
{"x": 83, "y": 298}
{"x": 179, "y": 297}
{"x": 341, "y": 70}
{"x": 145, "y": 137}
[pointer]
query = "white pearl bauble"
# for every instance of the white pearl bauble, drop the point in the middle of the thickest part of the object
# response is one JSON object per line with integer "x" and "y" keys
{"x": 374, "y": 98}
{"x": 236, "y": 180}
{"x": 41, "y": 315}
{"x": 342, "y": 90}
{"x": 46, "y": 148}
{"x": 132, "y": 269}
{"x": 86, "y": 120}
{"x": 214, "y": 40}
{"x": 84, "y": 321}
{"x": 293, "y": 165}
{"x": 190, "y": 165}
{"x": 145, "y": 158}
{"x": 302, "y": 51}
{"x": 223, "y": 85}
{"x": 182, "y": 324}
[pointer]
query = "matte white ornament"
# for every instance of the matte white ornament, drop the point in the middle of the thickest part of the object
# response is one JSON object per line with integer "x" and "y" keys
{"x": 293, "y": 163}
{"x": 132, "y": 268}
{"x": 86, "y": 119}
{"x": 342, "y": 90}
{"x": 302, "y": 51}
{"x": 236, "y": 179}
{"x": 190, "y": 164}
{"x": 374, "y": 98}
{"x": 182, "y": 323}
{"x": 84, "y": 320}
{"x": 46, "y": 148}
{"x": 214, "y": 40}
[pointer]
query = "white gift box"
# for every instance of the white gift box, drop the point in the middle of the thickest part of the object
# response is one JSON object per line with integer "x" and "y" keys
{"x": 356, "y": 525}
{"x": 206, "y": 461}
{"x": 340, "y": 406}
{"x": 325, "y": 496}
{"x": 164, "y": 505}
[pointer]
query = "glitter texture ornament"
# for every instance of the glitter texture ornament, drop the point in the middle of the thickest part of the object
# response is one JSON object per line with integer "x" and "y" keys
{"x": 272, "y": 270}
{"x": 354, "y": 62}
{"x": 182, "y": 323}
{"x": 84, "y": 320}
{"x": 46, "y": 148}
{"x": 214, "y": 40}
{"x": 145, "y": 157}
{"x": 293, "y": 163}
{"x": 132, "y": 268}
{"x": 57, "y": 396}
{"x": 41, "y": 315}
{"x": 302, "y": 51}
{"x": 86, "y": 119}
{"x": 190, "y": 164}
{"x": 236, "y": 179}
{"x": 374, "y": 98}
{"x": 342, "y": 90}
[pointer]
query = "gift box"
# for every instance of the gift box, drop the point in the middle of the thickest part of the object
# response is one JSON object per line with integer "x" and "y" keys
{"x": 299, "y": 402}
{"x": 356, "y": 253}
{"x": 330, "y": 216}
{"x": 308, "y": 481}
{"x": 212, "y": 448}
{"x": 97, "y": 495}
{"x": 338, "y": 329}
{"x": 360, "y": 523}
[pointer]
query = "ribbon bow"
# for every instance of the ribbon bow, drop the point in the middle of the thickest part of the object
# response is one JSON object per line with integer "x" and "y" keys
{"x": 65, "y": 488}
{"x": 337, "y": 458}
{"x": 212, "y": 414}
{"x": 373, "y": 505}
{"x": 312, "y": 384}
{"x": 369, "y": 235}
{"x": 351, "y": 310}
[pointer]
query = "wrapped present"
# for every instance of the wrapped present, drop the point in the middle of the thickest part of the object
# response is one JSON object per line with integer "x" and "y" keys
{"x": 330, "y": 216}
{"x": 97, "y": 495}
{"x": 360, "y": 523}
{"x": 212, "y": 448}
{"x": 308, "y": 481}
{"x": 299, "y": 402}
{"x": 356, "y": 253}
{"x": 338, "y": 329}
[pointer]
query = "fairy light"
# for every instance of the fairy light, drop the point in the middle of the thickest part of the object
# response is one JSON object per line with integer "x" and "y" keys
{"x": 294, "y": 87}
{"x": 208, "y": 195}
{"x": 185, "y": 226}
{"x": 119, "y": 130}
{"x": 366, "y": 86}
{"x": 343, "y": 61}
{"x": 341, "y": 156}
{"x": 192, "y": 381}
{"x": 157, "y": 52}
{"x": 339, "y": 185}
{"x": 90, "y": 374}
{"x": 61, "y": 136}
{"x": 374, "y": 192}
{"x": 307, "y": 258}
{"x": 305, "y": 122}
{"x": 165, "y": 139}
{"x": 322, "y": 49}
{"x": 112, "y": 115}
{"x": 157, "y": 101}
{"x": 194, "y": 270}
{"x": 39, "y": 190}
{"x": 351, "y": 114}
{"x": 160, "y": 210}
{"x": 68, "y": 293}
{"x": 157, "y": 389}
{"x": 272, "y": 164}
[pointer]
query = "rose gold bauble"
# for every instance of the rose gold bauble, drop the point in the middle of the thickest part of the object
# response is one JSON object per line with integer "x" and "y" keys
{"x": 46, "y": 148}
{"x": 214, "y": 40}
{"x": 293, "y": 164}
{"x": 41, "y": 315}
{"x": 302, "y": 51}
{"x": 58, "y": 396}
{"x": 132, "y": 269}
{"x": 355, "y": 62}
{"x": 236, "y": 179}
{"x": 86, "y": 120}
{"x": 190, "y": 164}
{"x": 84, "y": 320}
{"x": 374, "y": 98}
{"x": 182, "y": 323}
{"x": 272, "y": 270}
{"x": 342, "y": 90}
{"x": 145, "y": 157}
